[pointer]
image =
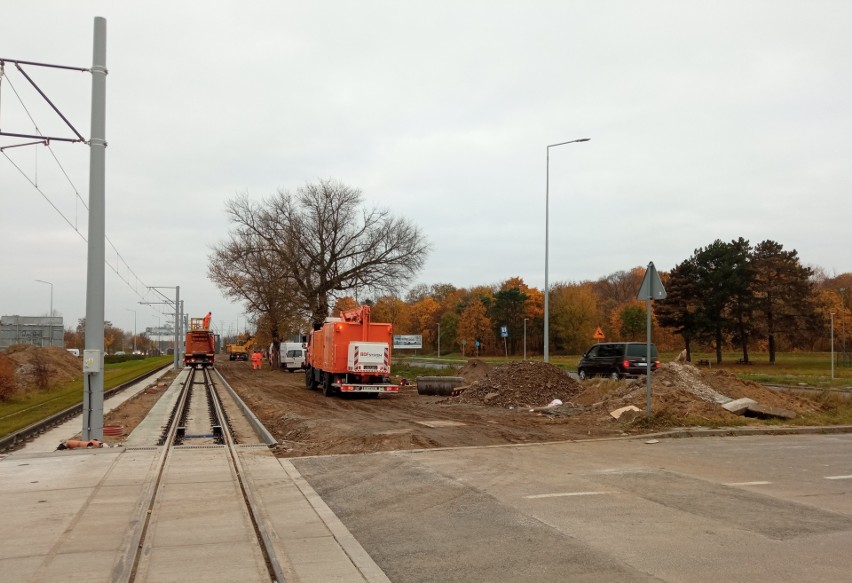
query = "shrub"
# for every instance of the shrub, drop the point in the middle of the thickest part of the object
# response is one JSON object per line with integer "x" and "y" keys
{"x": 7, "y": 378}
{"x": 40, "y": 371}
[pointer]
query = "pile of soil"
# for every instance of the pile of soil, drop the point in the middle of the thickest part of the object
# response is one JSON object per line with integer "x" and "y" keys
{"x": 680, "y": 389}
{"x": 59, "y": 364}
{"x": 475, "y": 370}
{"x": 516, "y": 385}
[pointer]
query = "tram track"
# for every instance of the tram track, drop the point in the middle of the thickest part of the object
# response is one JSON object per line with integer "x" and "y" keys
{"x": 199, "y": 451}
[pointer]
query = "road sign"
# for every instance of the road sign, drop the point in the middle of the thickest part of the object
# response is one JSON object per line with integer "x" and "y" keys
{"x": 599, "y": 335}
{"x": 504, "y": 331}
{"x": 652, "y": 286}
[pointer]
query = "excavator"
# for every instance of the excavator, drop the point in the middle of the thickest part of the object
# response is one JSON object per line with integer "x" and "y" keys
{"x": 240, "y": 350}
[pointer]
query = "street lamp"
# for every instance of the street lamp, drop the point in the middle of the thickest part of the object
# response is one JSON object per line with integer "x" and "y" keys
{"x": 134, "y": 328}
{"x": 843, "y": 326}
{"x": 50, "y": 315}
{"x": 832, "y": 345}
{"x": 525, "y": 339}
{"x": 547, "y": 249}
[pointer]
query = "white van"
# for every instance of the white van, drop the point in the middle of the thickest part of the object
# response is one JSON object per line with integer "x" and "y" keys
{"x": 292, "y": 356}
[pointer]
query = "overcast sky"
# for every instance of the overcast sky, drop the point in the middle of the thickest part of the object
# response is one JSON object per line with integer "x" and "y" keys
{"x": 707, "y": 120}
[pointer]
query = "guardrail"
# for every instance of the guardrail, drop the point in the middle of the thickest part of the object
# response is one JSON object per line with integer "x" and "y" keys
{"x": 16, "y": 438}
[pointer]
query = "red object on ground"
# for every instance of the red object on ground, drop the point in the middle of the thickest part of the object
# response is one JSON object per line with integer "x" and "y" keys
{"x": 76, "y": 444}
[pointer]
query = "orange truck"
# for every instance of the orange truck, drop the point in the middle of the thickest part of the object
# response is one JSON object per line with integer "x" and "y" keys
{"x": 350, "y": 354}
{"x": 200, "y": 345}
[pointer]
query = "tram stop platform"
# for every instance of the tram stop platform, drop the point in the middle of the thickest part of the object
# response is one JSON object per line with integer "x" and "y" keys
{"x": 80, "y": 515}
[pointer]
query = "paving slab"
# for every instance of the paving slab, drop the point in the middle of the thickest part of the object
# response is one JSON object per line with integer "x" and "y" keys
{"x": 316, "y": 545}
{"x": 71, "y": 515}
{"x": 739, "y": 406}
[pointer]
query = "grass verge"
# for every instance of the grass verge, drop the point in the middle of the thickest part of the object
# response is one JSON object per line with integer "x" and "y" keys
{"x": 27, "y": 408}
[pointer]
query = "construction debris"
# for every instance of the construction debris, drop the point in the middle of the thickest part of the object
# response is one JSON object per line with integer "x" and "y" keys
{"x": 739, "y": 406}
{"x": 679, "y": 389}
{"x": 619, "y": 412}
{"x": 78, "y": 444}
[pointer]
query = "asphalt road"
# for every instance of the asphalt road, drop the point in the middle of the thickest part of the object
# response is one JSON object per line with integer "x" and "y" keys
{"x": 759, "y": 508}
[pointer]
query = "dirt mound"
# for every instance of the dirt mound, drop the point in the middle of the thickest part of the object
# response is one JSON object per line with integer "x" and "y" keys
{"x": 679, "y": 388}
{"x": 728, "y": 384}
{"x": 475, "y": 370}
{"x": 519, "y": 385}
{"x": 51, "y": 362}
{"x": 684, "y": 390}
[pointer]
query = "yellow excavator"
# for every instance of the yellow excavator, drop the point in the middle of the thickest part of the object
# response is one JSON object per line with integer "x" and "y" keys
{"x": 241, "y": 350}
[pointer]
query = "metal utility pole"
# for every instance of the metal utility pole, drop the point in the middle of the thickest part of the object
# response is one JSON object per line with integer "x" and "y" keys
{"x": 93, "y": 351}
{"x": 525, "y": 339}
{"x": 843, "y": 327}
{"x": 134, "y": 327}
{"x": 181, "y": 335}
{"x": 832, "y": 345}
{"x": 178, "y": 317}
{"x": 547, "y": 248}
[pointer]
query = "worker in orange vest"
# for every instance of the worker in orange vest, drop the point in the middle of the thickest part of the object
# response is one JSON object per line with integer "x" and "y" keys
{"x": 206, "y": 324}
{"x": 256, "y": 360}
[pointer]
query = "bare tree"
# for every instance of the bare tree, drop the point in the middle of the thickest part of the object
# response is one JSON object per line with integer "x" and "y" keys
{"x": 245, "y": 269}
{"x": 321, "y": 243}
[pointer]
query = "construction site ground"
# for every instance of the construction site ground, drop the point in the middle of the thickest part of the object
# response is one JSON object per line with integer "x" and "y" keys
{"x": 506, "y": 404}
{"x": 499, "y": 405}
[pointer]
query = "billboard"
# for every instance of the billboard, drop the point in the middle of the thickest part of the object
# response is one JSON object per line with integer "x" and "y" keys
{"x": 408, "y": 341}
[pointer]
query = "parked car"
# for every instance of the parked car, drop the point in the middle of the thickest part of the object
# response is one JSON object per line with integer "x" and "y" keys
{"x": 616, "y": 360}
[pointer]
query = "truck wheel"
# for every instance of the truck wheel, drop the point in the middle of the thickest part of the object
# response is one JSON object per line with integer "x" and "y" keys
{"x": 310, "y": 383}
{"x": 614, "y": 375}
{"x": 327, "y": 389}
{"x": 582, "y": 374}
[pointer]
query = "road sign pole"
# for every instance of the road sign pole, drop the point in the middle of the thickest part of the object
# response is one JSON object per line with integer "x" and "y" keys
{"x": 651, "y": 289}
{"x": 648, "y": 358}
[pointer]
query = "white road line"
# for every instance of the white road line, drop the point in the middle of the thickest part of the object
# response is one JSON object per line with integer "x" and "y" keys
{"x": 560, "y": 494}
{"x": 748, "y": 483}
{"x": 838, "y": 477}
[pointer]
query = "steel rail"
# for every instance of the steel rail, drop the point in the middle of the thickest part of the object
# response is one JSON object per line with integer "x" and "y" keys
{"x": 256, "y": 424}
{"x": 128, "y": 567}
{"x": 261, "y": 529}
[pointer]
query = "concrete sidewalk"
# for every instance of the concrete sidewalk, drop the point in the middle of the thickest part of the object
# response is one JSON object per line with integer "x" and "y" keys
{"x": 77, "y": 515}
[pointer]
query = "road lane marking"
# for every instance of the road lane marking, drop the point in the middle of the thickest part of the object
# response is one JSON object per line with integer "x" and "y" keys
{"x": 748, "y": 483}
{"x": 838, "y": 477}
{"x": 560, "y": 494}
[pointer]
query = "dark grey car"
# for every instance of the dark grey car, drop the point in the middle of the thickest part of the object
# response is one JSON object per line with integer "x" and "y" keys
{"x": 616, "y": 360}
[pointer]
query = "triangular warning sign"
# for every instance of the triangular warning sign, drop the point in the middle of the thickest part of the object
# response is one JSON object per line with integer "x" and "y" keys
{"x": 652, "y": 286}
{"x": 599, "y": 335}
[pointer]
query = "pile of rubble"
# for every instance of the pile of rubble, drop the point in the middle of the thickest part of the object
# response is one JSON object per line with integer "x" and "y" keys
{"x": 516, "y": 385}
{"x": 679, "y": 388}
